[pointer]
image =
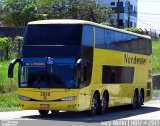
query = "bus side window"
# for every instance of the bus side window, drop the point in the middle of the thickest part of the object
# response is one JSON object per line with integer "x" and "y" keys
{"x": 142, "y": 46}
{"x": 85, "y": 73}
{"x": 113, "y": 78}
{"x": 87, "y": 36}
{"x": 148, "y": 47}
{"x": 100, "y": 38}
{"x": 117, "y": 74}
{"x": 110, "y": 39}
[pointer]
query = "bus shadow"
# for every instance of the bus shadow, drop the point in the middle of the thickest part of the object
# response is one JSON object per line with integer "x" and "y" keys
{"x": 112, "y": 114}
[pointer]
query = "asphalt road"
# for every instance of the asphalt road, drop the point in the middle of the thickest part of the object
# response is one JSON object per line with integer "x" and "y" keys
{"x": 151, "y": 110}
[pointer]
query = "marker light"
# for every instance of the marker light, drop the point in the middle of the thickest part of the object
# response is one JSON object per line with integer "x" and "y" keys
{"x": 70, "y": 98}
{"x": 24, "y": 98}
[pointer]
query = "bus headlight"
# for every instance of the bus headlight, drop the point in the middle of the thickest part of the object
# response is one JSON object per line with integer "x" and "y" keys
{"x": 24, "y": 98}
{"x": 70, "y": 98}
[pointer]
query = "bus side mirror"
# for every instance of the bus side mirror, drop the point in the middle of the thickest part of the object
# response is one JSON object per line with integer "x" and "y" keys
{"x": 78, "y": 72}
{"x": 78, "y": 64}
{"x": 11, "y": 67}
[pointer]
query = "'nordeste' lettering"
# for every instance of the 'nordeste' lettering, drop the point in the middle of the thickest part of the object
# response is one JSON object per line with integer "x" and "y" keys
{"x": 134, "y": 60}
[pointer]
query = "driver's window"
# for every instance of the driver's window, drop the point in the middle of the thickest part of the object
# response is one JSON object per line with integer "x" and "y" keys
{"x": 85, "y": 74}
{"x": 22, "y": 77}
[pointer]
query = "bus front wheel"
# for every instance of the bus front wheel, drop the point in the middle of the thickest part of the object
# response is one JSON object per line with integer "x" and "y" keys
{"x": 43, "y": 112}
{"x": 94, "y": 105}
{"x": 54, "y": 111}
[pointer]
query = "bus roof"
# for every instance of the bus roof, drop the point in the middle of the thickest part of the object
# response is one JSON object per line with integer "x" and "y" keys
{"x": 72, "y": 21}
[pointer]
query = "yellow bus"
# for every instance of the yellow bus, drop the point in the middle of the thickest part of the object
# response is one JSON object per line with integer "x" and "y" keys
{"x": 76, "y": 65}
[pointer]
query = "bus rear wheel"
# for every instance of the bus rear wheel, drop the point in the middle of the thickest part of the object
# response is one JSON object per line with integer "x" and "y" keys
{"x": 142, "y": 98}
{"x": 104, "y": 104}
{"x": 94, "y": 105}
{"x": 43, "y": 112}
{"x": 135, "y": 101}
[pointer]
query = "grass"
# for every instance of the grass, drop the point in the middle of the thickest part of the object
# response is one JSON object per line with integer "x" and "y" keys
{"x": 8, "y": 88}
{"x": 156, "y": 56}
{"x": 9, "y": 101}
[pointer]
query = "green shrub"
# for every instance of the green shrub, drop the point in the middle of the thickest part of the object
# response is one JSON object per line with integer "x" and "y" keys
{"x": 19, "y": 39}
{"x": 10, "y": 48}
{"x": 105, "y": 23}
{"x": 5, "y": 47}
{"x": 18, "y": 44}
{"x": 135, "y": 30}
{"x": 155, "y": 56}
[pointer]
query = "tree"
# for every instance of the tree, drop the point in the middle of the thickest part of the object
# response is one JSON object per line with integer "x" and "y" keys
{"x": 19, "y": 12}
{"x": 75, "y": 9}
{"x": 18, "y": 43}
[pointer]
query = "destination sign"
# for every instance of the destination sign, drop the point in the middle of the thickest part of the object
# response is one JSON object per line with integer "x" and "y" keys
{"x": 35, "y": 64}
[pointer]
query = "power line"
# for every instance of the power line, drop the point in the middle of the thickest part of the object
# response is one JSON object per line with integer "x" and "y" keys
{"x": 147, "y": 13}
{"x": 154, "y": 21}
{"x": 149, "y": 1}
{"x": 148, "y": 24}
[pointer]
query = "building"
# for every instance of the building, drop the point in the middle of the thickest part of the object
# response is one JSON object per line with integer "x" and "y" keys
{"x": 125, "y": 11}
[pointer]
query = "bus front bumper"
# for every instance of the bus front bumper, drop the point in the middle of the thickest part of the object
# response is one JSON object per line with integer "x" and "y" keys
{"x": 60, "y": 105}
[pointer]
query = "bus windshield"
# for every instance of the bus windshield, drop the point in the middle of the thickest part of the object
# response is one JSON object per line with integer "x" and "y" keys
{"x": 53, "y": 34}
{"x": 57, "y": 75}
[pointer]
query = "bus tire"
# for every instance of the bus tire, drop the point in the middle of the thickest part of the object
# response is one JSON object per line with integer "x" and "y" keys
{"x": 43, "y": 112}
{"x": 139, "y": 103}
{"x": 54, "y": 111}
{"x": 142, "y": 97}
{"x": 135, "y": 101}
{"x": 140, "y": 100}
{"x": 94, "y": 105}
{"x": 104, "y": 103}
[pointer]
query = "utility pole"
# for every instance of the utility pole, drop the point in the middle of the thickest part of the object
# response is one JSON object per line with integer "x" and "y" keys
{"x": 129, "y": 13}
{"x": 118, "y": 13}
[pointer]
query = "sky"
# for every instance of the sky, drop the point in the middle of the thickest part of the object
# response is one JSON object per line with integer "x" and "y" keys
{"x": 149, "y": 14}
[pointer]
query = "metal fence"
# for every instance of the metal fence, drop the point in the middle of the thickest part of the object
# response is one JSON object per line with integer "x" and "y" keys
{"x": 11, "y": 32}
{"x": 155, "y": 33}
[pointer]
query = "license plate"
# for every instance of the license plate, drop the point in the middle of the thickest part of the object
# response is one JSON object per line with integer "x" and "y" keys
{"x": 44, "y": 106}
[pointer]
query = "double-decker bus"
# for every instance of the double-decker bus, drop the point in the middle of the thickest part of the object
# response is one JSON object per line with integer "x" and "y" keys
{"x": 76, "y": 65}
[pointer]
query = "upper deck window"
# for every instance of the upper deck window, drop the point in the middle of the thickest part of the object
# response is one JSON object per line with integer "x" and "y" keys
{"x": 53, "y": 34}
